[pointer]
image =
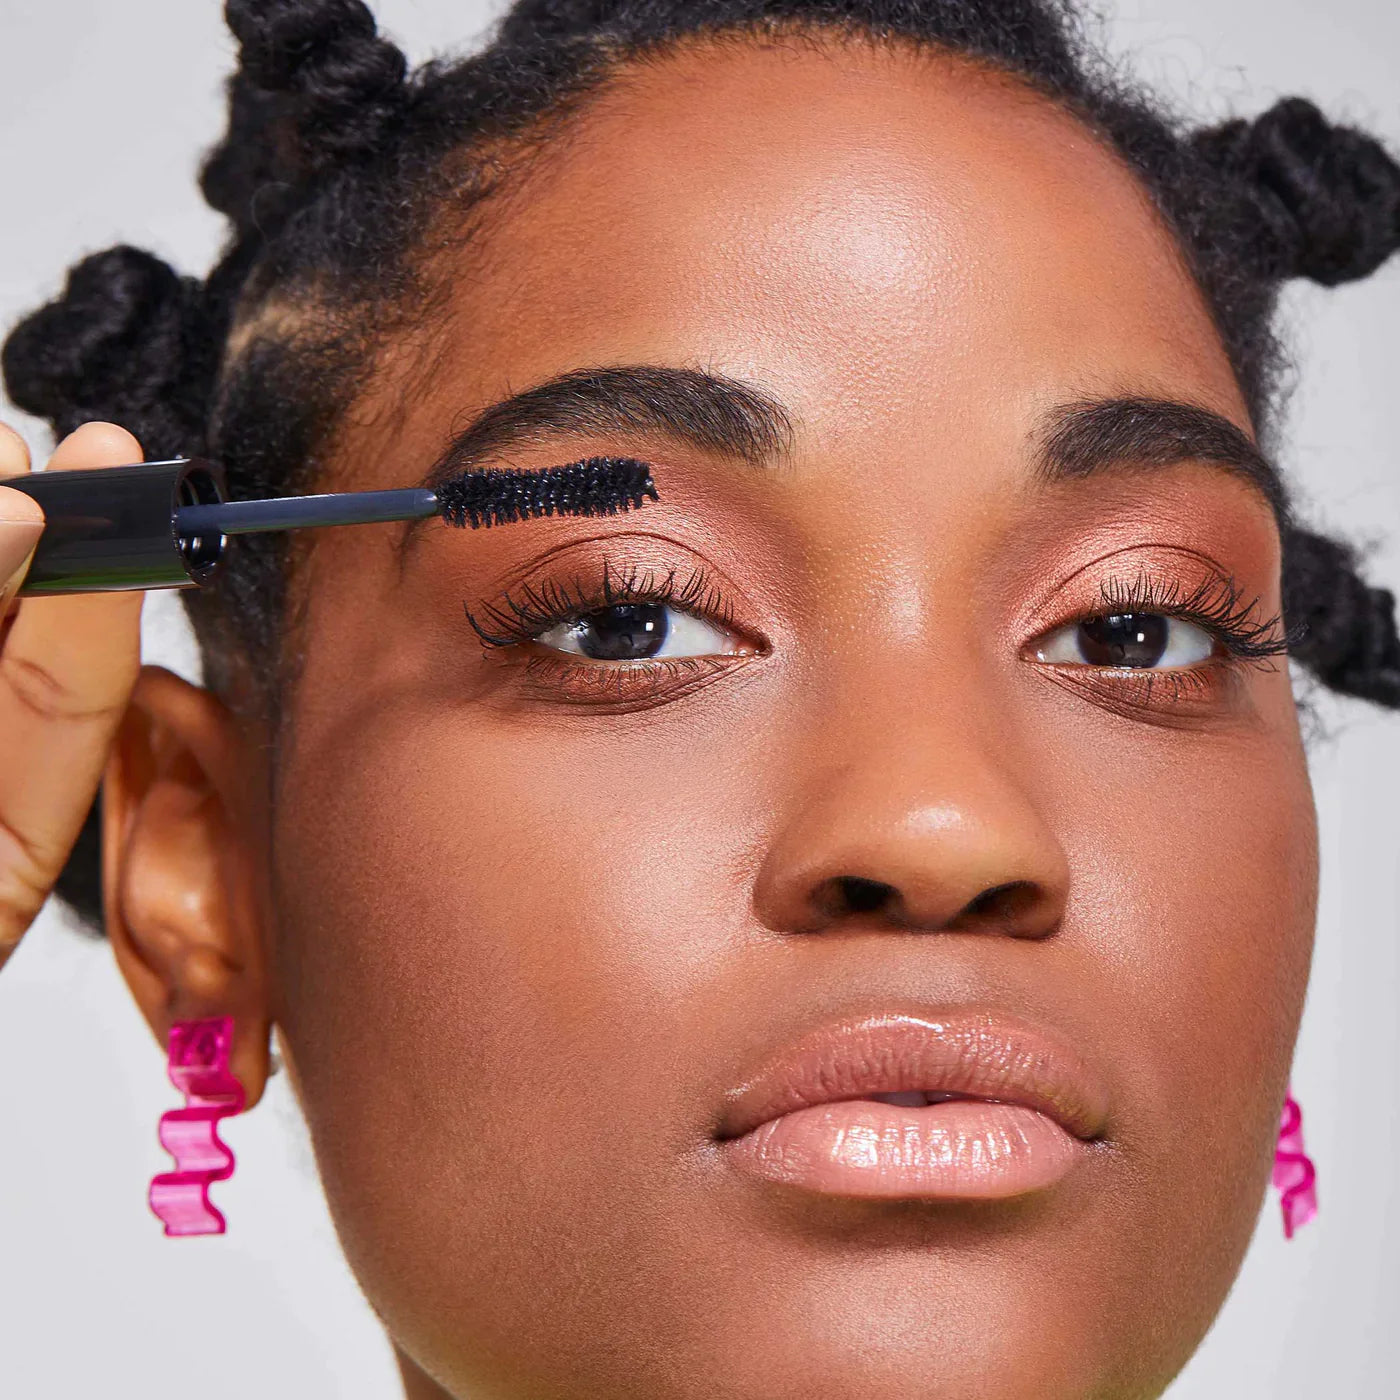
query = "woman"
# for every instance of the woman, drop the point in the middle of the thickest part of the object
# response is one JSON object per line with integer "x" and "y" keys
{"x": 844, "y": 927}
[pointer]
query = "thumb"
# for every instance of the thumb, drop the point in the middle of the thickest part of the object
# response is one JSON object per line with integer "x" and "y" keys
{"x": 21, "y": 524}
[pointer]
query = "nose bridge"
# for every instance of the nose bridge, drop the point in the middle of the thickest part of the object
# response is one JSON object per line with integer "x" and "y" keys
{"x": 926, "y": 792}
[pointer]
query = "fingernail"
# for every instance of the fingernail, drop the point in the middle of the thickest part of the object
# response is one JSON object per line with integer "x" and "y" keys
{"x": 17, "y": 541}
{"x": 19, "y": 508}
{"x": 21, "y": 524}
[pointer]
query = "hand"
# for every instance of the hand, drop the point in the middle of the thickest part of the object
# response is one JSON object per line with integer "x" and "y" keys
{"x": 67, "y": 668}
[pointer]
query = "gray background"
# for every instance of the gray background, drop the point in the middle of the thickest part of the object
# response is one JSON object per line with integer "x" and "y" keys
{"x": 103, "y": 109}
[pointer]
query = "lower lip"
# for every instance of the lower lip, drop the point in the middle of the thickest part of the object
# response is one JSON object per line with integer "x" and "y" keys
{"x": 962, "y": 1149}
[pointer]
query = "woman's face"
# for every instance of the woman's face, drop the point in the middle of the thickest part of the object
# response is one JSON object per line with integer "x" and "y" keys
{"x": 571, "y": 950}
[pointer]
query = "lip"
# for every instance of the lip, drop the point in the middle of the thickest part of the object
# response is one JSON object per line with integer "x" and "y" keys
{"x": 1026, "y": 1106}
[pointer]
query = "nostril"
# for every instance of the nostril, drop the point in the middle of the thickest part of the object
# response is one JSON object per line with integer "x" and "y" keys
{"x": 850, "y": 894}
{"x": 1001, "y": 904}
{"x": 1015, "y": 907}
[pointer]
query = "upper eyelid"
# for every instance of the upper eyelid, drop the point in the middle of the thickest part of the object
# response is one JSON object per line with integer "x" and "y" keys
{"x": 1207, "y": 574}
{"x": 1225, "y": 614}
{"x": 610, "y": 546}
{"x": 553, "y": 603}
{"x": 1230, "y": 624}
{"x": 1212, "y": 566}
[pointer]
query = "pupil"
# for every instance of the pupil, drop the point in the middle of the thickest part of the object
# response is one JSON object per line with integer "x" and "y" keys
{"x": 1123, "y": 639}
{"x": 623, "y": 632}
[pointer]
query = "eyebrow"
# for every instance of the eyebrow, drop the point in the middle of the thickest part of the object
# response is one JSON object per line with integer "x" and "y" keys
{"x": 708, "y": 411}
{"x": 1084, "y": 439}
{"x": 732, "y": 419}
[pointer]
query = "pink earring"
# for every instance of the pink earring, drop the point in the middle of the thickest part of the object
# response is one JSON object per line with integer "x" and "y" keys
{"x": 199, "y": 1069}
{"x": 1294, "y": 1174}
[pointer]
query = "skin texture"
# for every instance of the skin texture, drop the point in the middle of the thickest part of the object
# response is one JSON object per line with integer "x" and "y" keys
{"x": 521, "y": 934}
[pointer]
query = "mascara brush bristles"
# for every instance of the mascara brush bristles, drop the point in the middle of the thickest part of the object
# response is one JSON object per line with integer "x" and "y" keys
{"x": 595, "y": 486}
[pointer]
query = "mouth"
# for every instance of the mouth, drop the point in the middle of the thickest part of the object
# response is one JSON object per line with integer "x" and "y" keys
{"x": 972, "y": 1106}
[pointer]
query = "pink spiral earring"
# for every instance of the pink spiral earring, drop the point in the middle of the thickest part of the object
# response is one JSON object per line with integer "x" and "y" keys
{"x": 1294, "y": 1174}
{"x": 199, "y": 1069}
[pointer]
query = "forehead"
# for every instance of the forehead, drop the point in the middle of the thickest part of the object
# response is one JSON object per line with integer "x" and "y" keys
{"x": 825, "y": 217}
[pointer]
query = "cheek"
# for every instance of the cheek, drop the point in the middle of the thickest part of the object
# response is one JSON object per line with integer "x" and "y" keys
{"x": 1199, "y": 883}
{"x": 1193, "y": 900}
{"x": 501, "y": 939}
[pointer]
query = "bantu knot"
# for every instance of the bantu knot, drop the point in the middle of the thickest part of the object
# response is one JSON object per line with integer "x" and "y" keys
{"x": 1347, "y": 628}
{"x": 317, "y": 84}
{"x": 123, "y": 343}
{"x": 1326, "y": 198}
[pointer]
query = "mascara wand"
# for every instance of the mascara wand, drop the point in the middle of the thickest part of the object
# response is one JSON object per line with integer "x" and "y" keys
{"x": 166, "y": 524}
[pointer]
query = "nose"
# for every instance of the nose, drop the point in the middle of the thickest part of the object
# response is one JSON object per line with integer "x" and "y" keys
{"x": 929, "y": 827}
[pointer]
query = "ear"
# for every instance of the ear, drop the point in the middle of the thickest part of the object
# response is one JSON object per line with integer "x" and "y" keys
{"x": 181, "y": 882}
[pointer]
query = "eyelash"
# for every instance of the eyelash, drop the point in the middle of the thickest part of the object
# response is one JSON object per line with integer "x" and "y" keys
{"x": 1216, "y": 605}
{"x": 1168, "y": 695}
{"x": 536, "y": 610}
{"x": 620, "y": 686}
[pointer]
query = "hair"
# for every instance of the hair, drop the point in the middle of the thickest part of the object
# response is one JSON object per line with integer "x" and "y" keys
{"x": 339, "y": 164}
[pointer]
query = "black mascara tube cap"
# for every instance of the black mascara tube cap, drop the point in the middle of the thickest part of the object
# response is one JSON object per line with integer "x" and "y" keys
{"x": 113, "y": 528}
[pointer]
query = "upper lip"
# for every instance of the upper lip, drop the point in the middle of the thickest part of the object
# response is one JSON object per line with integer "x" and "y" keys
{"x": 980, "y": 1054}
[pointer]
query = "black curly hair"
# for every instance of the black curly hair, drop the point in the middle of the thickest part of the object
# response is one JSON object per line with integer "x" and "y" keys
{"x": 340, "y": 165}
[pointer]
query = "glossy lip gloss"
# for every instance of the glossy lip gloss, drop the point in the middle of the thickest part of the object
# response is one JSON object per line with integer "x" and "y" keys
{"x": 968, "y": 1106}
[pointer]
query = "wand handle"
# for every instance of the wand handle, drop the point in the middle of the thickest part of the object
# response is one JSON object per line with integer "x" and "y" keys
{"x": 303, "y": 512}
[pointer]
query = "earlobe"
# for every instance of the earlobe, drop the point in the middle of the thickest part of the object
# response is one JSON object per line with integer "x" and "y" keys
{"x": 179, "y": 872}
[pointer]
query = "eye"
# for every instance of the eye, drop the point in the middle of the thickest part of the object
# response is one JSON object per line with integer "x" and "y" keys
{"x": 1141, "y": 640}
{"x": 639, "y": 632}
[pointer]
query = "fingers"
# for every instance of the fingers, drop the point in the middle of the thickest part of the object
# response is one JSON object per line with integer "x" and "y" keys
{"x": 14, "y": 453}
{"x": 21, "y": 524}
{"x": 95, "y": 445}
{"x": 66, "y": 673}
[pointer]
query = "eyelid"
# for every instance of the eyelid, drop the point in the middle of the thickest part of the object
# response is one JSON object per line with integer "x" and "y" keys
{"x": 1086, "y": 579}
{"x": 1187, "y": 695}
{"x": 1171, "y": 581}
{"x": 520, "y": 614}
{"x": 618, "y": 548}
